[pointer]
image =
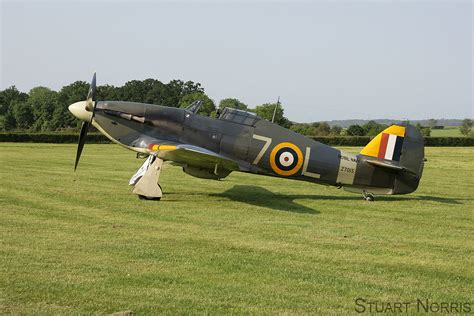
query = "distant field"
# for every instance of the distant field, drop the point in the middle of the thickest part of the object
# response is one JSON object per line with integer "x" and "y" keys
{"x": 448, "y": 131}
{"x": 83, "y": 244}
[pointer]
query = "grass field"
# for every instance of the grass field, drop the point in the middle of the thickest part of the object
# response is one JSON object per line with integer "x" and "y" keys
{"x": 447, "y": 131}
{"x": 82, "y": 243}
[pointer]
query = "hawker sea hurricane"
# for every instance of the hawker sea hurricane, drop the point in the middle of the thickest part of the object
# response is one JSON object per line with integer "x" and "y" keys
{"x": 211, "y": 148}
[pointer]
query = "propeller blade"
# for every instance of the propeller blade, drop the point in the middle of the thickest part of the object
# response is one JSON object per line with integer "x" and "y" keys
{"x": 82, "y": 139}
{"x": 90, "y": 106}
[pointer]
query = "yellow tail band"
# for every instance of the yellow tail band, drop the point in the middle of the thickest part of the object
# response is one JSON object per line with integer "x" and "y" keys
{"x": 386, "y": 145}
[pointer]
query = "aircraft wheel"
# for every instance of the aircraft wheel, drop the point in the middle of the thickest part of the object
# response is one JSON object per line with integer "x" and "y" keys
{"x": 369, "y": 197}
{"x": 149, "y": 198}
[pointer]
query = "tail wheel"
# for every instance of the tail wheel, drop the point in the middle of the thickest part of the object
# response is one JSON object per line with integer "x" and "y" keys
{"x": 369, "y": 197}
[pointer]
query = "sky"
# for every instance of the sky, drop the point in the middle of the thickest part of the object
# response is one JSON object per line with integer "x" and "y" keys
{"x": 326, "y": 60}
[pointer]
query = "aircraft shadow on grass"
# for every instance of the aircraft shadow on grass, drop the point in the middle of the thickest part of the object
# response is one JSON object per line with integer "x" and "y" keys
{"x": 262, "y": 197}
{"x": 430, "y": 198}
{"x": 258, "y": 196}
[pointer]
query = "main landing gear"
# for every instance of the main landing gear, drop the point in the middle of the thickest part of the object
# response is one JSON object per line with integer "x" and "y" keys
{"x": 145, "y": 180}
{"x": 368, "y": 196}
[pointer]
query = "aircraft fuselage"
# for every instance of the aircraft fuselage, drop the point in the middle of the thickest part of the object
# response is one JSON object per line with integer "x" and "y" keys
{"x": 258, "y": 145}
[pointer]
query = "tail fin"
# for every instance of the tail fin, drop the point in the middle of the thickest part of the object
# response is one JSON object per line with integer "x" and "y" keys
{"x": 402, "y": 146}
{"x": 386, "y": 145}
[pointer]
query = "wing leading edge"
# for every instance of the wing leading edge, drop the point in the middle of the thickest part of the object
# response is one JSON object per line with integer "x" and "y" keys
{"x": 189, "y": 155}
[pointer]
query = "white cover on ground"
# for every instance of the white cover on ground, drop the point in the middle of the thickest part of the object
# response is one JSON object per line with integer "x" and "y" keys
{"x": 140, "y": 172}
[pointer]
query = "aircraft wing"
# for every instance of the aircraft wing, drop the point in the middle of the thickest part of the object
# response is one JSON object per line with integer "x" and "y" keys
{"x": 195, "y": 156}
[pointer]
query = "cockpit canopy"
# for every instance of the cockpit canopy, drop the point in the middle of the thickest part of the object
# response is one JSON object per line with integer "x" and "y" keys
{"x": 239, "y": 116}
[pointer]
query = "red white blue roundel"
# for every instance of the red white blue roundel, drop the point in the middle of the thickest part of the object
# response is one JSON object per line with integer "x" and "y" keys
{"x": 286, "y": 159}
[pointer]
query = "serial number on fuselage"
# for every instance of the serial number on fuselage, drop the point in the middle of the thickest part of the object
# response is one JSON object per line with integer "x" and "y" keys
{"x": 348, "y": 170}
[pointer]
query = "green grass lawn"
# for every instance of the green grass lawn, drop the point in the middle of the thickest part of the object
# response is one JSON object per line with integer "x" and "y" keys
{"x": 447, "y": 131}
{"x": 82, "y": 243}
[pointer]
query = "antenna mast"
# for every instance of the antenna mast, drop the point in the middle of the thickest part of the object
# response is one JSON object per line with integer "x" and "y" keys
{"x": 275, "y": 111}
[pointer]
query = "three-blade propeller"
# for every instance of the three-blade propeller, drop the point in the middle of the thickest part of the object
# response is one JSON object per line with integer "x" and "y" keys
{"x": 90, "y": 106}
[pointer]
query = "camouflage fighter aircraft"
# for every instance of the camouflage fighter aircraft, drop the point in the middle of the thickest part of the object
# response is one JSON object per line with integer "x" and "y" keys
{"x": 211, "y": 148}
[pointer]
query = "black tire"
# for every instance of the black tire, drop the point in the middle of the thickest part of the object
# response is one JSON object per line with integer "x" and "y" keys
{"x": 149, "y": 198}
{"x": 369, "y": 197}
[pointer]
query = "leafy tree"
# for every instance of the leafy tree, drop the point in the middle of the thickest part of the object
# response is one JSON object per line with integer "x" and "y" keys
{"x": 322, "y": 129}
{"x": 43, "y": 102}
{"x": 8, "y": 95}
{"x": 207, "y": 107}
{"x": 425, "y": 131}
{"x": 373, "y": 128}
{"x": 135, "y": 90}
{"x": 191, "y": 87}
{"x": 63, "y": 119}
{"x": 466, "y": 127}
{"x": 336, "y": 130}
{"x": 432, "y": 123}
{"x": 355, "y": 130}
{"x": 49, "y": 109}
{"x": 23, "y": 114}
{"x": 107, "y": 93}
{"x": 76, "y": 91}
{"x": 344, "y": 132}
{"x": 173, "y": 93}
{"x": 266, "y": 111}
{"x": 7, "y": 122}
{"x": 303, "y": 129}
{"x": 175, "y": 90}
{"x": 149, "y": 91}
{"x": 286, "y": 123}
{"x": 232, "y": 103}
{"x": 316, "y": 129}
{"x": 155, "y": 93}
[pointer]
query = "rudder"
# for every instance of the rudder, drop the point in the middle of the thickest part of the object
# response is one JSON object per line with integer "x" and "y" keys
{"x": 412, "y": 159}
{"x": 402, "y": 146}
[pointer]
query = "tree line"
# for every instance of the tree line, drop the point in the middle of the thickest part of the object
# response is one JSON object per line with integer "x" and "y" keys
{"x": 370, "y": 128}
{"x": 43, "y": 109}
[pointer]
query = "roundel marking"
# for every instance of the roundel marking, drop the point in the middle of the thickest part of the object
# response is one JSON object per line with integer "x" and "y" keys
{"x": 286, "y": 159}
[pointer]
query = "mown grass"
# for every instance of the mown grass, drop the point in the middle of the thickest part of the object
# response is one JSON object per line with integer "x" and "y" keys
{"x": 447, "y": 131}
{"x": 82, "y": 243}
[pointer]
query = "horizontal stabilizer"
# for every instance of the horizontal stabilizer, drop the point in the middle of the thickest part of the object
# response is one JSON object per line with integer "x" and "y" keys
{"x": 385, "y": 164}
